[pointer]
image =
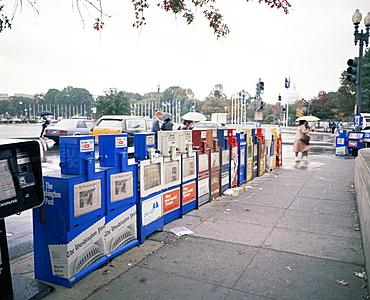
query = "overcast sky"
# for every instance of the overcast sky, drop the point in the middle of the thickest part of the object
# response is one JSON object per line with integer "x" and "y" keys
{"x": 53, "y": 49}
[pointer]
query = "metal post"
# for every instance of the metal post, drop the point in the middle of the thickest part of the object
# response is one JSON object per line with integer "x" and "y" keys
{"x": 363, "y": 37}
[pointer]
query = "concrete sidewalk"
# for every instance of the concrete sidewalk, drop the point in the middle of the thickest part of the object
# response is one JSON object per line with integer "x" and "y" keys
{"x": 289, "y": 234}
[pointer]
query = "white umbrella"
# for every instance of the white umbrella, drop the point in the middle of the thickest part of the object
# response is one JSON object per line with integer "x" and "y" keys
{"x": 194, "y": 116}
{"x": 308, "y": 118}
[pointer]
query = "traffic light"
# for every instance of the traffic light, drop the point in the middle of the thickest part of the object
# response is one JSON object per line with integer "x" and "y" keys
{"x": 262, "y": 87}
{"x": 258, "y": 88}
{"x": 254, "y": 105}
{"x": 352, "y": 70}
{"x": 279, "y": 99}
{"x": 260, "y": 105}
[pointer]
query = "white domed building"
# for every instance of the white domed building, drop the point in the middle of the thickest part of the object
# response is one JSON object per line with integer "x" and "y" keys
{"x": 293, "y": 95}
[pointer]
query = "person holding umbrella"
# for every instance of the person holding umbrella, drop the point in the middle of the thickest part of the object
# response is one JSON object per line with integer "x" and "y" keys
{"x": 45, "y": 123}
{"x": 167, "y": 125}
{"x": 299, "y": 145}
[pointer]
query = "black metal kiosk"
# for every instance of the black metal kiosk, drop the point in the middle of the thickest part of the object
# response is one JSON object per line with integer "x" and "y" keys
{"x": 21, "y": 188}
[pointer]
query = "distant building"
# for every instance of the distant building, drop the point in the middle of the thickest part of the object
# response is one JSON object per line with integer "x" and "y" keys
{"x": 4, "y": 97}
{"x": 293, "y": 96}
{"x": 24, "y": 95}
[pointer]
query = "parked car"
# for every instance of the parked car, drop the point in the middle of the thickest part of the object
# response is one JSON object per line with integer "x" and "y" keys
{"x": 67, "y": 127}
{"x": 208, "y": 125}
{"x": 112, "y": 124}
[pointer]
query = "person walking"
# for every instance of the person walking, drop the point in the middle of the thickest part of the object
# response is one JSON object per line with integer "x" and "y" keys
{"x": 45, "y": 123}
{"x": 167, "y": 125}
{"x": 299, "y": 146}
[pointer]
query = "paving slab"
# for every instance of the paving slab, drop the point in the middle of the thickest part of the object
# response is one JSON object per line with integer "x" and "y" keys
{"x": 195, "y": 258}
{"x": 248, "y": 213}
{"x": 316, "y": 222}
{"x": 265, "y": 199}
{"x": 346, "y": 249}
{"x": 143, "y": 284}
{"x": 233, "y": 232}
{"x": 281, "y": 275}
{"x": 325, "y": 206}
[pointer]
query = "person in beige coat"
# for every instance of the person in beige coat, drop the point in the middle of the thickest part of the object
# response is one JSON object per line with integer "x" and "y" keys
{"x": 299, "y": 146}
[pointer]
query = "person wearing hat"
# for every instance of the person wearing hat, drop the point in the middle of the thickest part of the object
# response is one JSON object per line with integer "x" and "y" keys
{"x": 167, "y": 125}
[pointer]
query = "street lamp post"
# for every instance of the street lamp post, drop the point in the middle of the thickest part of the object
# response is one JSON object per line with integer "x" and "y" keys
{"x": 363, "y": 37}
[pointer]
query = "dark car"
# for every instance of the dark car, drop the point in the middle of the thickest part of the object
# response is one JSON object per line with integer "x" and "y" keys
{"x": 112, "y": 124}
{"x": 68, "y": 127}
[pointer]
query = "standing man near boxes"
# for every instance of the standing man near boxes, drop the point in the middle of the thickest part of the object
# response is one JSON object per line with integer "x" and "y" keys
{"x": 156, "y": 126}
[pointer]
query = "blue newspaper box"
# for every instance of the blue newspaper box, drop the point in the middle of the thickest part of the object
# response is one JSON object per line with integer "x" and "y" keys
{"x": 355, "y": 141}
{"x": 144, "y": 145}
{"x": 121, "y": 172}
{"x": 111, "y": 148}
{"x": 241, "y": 139}
{"x": 222, "y": 138}
{"x": 120, "y": 232}
{"x": 341, "y": 143}
{"x": 121, "y": 194}
{"x": 68, "y": 228}
{"x": 77, "y": 154}
{"x": 150, "y": 215}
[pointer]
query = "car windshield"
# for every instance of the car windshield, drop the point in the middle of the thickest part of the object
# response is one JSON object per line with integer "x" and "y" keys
{"x": 84, "y": 124}
{"x": 135, "y": 124}
{"x": 89, "y": 124}
{"x": 66, "y": 123}
{"x": 110, "y": 123}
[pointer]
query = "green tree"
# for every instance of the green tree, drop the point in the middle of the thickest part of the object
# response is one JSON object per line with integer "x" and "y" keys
{"x": 51, "y": 96}
{"x": 150, "y": 97}
{"x": 324, "y": 106}
{"x": 74, "y": 96}
{"x": 20, "y": 104}
{"x": 7, "y": 108}
{"x": 133, "y": 97}
{"x": 112, "y": 103}
{"x": 345, "y": 97}
{"x": 182, "y": 8}
{"x": 169, "y": 94}
{"x": 213, "y": 105}
{"x": 366, "y": 81}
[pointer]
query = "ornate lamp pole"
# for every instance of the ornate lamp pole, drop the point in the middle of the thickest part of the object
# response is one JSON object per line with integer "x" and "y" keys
{"x": 363, "y": 37}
